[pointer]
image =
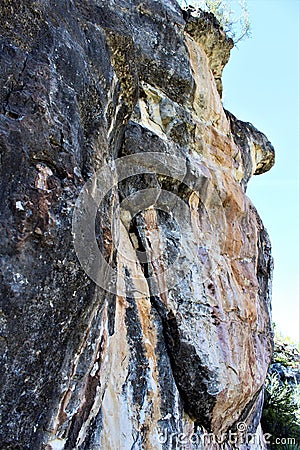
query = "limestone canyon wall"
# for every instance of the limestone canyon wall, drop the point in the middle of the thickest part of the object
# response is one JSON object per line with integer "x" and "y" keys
{"x": 135, "y": 271}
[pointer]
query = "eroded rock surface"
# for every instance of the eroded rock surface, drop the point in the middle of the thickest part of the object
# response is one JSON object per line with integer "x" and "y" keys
{"x": 83, "y": 84}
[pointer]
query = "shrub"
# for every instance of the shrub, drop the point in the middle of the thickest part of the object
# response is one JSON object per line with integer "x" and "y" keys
{"x": 281, "y": 412}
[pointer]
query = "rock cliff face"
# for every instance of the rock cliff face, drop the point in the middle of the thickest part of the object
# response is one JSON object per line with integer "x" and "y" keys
{"x": 135, "y": 313}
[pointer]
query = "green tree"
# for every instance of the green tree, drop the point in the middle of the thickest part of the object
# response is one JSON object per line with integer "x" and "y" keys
{"x": 281, "y": 416}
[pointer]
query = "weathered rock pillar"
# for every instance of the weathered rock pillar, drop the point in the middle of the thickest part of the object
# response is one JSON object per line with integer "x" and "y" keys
{"x": 172, "y": 346}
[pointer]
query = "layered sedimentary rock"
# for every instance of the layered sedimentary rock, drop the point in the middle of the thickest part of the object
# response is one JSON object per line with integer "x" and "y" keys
{"x": 174, "y": 346}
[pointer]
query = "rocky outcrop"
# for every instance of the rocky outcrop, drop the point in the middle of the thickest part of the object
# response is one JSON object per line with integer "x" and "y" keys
{"x": 256, "y": 150}
{"x": 135, "y": 273}
{"x": 208, "y": 33}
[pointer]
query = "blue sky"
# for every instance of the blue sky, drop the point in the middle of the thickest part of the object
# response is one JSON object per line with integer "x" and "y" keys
{"x": 261, "y": 86}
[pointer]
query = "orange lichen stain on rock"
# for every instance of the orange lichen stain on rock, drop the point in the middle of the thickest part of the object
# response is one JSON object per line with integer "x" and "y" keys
{"x": 152, "y": 233}
{"x": 220, "y": 147}
{"x": 207, "y": 105}
{"x": 194, "y": 200}
{"x": 153, "y": 394}
{"x": 148, "y": 327}
{"x": 116, "y": 373}
{"x": 242, "y": 384}
{"x": 149, "y": 333}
